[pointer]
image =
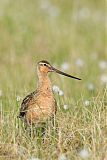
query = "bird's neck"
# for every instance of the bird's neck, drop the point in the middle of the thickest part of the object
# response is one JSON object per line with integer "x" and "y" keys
{"x": 44, "y": 84}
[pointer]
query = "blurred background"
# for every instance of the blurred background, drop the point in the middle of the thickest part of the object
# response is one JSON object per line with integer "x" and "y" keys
{"x": 69, "y": 34}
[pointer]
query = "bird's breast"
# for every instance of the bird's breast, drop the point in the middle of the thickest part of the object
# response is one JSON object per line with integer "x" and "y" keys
{"x": 46, "y": 103}
{"x": 43, "y": 108}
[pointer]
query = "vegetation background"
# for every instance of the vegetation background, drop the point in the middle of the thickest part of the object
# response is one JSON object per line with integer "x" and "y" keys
{"x": 71, "y": 35}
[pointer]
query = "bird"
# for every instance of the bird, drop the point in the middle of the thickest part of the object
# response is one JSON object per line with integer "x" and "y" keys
{"x": 40, "y": 105}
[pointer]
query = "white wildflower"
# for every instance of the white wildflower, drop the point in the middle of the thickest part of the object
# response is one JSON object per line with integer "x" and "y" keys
{"x": 45, "y": 4}
{"x": 103, "y": 64}
{"x": 66, "y": 106}
{"x": 83, "y": 13}
{"x": 87, "y": 103}
{"x": 91, "y": 86}
{"x": 80, "y": 62}
{"x": 84, "y": 153}
{"x": 18, "y": 98}
{"x": 104, "y": 79}
{"x": 53, "y": 11}
{"x": 55, "y": 89}
{"x": 61, "y": 93}
{"x": 62, "y": 157}
{"x": 65, "y": 66}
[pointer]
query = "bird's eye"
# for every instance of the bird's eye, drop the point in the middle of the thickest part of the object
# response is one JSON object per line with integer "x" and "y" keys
{"x": 44, "y": 64}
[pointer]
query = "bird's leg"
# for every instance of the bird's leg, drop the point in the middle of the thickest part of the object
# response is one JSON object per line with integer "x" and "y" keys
{"x": 28, "y": 128}
{"x": 43, "y": 131}
{"x": 54, "y": 123}
{"x": 54, "y": 126}
{"x": 40, "y": 133}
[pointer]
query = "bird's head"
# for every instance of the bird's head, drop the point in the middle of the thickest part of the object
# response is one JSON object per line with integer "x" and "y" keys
{"x": 44, "y": 67}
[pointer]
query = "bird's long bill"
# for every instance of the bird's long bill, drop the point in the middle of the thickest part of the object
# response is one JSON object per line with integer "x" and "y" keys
{"x": 65, "y": 74}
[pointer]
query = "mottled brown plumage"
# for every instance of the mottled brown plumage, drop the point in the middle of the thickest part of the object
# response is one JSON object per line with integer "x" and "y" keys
{"x": 40, "y": 105}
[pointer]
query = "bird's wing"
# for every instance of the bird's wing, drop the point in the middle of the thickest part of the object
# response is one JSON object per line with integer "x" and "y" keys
{"x": 26, "y": 101}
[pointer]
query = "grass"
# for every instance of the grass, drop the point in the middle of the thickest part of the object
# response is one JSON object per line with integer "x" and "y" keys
{"x": 61, "y": 32}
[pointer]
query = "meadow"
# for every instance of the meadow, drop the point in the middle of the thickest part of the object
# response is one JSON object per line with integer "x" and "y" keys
{"x": 71, "y": 35}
